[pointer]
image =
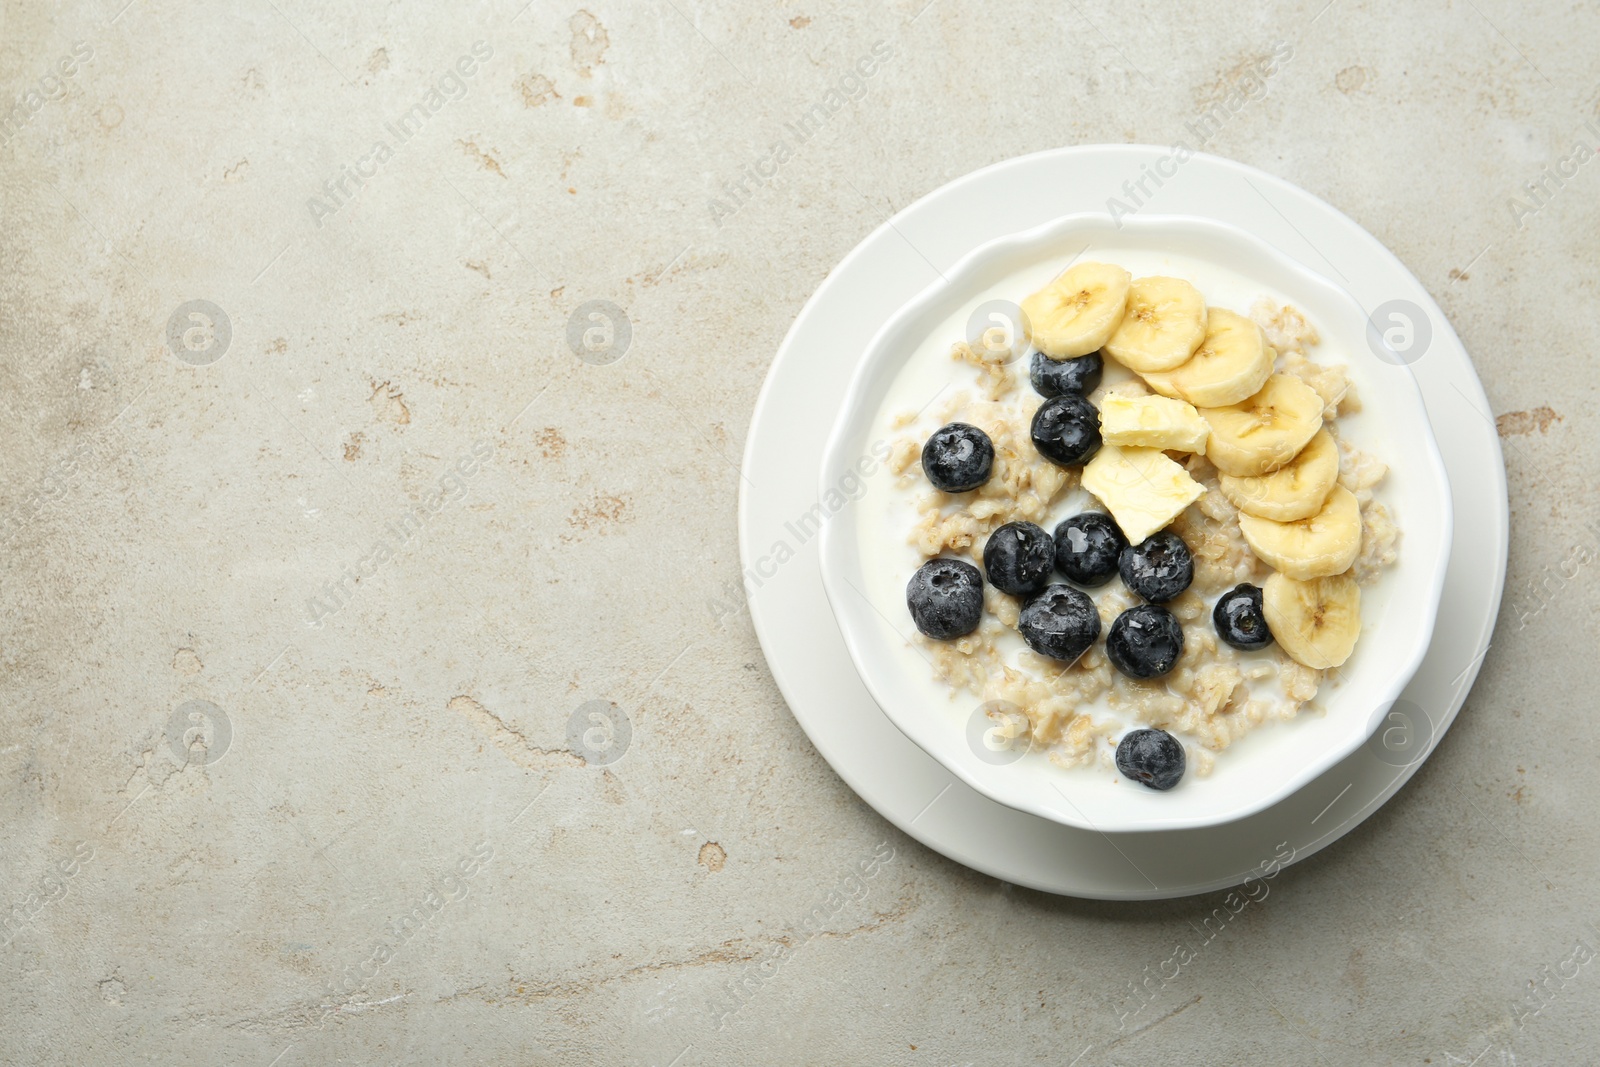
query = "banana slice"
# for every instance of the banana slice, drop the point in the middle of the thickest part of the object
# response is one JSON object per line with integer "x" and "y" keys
{"x": 1315, "y": 547}
{"x": 1264, "y": 432}
{"x": 1296, "y": 491}
{"x": 1165, "y": 323}
{"x": 1076, "y": 314}
{"x": 1231, "y": 364}
{"x": 1315, "y": 622}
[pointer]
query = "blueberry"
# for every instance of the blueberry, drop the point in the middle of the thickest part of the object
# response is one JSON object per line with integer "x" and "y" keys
{"x": 1159, "y": 569}
{"x": 1151, "y": 757}
{"x": 1060, "y": 622}
{"x": 946, "y": 598}
{"x": 1145, "y": 641}
{"x": 1087, "y": 547}
{"x": 958, "y": 457}
{"x": 1066, "y": 430}
{"x": 1018, "y": 557}
{"x": 1052, "y": 377}
{"x": 1240, "y": 619}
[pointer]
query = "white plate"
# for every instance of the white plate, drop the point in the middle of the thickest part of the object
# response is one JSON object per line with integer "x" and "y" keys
{"x": 802, "y": 395}
{"x": 866, "y": 560}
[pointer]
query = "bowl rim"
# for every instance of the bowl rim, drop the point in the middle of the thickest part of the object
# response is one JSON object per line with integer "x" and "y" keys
{"x": 836, "y": 451}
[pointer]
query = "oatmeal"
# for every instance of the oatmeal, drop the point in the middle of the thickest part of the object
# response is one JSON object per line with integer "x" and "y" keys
{"x": 1220, "y": 530}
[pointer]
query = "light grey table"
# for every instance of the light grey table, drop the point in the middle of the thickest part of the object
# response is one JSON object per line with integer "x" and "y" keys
{"x": 324, "y": 552}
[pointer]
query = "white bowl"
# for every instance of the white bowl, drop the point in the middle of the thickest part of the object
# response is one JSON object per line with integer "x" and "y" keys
{"x": 866, "y": 562}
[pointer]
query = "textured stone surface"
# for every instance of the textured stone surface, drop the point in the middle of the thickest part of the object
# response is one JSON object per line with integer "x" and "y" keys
{"x": 166, "y": 526}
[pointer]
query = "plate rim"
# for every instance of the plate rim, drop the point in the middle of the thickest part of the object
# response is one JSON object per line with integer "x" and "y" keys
{"x": 946, "y": 841}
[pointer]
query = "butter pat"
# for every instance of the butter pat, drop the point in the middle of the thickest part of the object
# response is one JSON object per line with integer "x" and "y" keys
{"x": 1142, "y": 487}
{"x": 1153, "y": 422}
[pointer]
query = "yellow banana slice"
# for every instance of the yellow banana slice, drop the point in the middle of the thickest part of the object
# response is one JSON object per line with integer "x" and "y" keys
{"x": 1232, "y": 363}
{"x": 1315, "y": 622}
{"x": 1266, "y": 431}
{"x": 1076, "y": 314}
{"x": 1291, "y": 492}
{"x": 1323, "y": 544}
{"x": 1164, "y": 324}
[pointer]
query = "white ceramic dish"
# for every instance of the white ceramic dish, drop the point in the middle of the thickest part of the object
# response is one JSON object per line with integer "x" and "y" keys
{"x": 789, "y": 610}
{"x": 865, "y": 562}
